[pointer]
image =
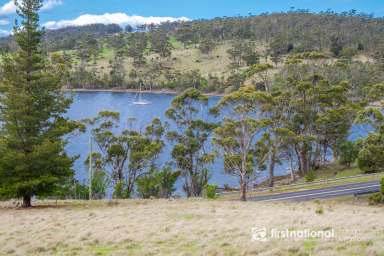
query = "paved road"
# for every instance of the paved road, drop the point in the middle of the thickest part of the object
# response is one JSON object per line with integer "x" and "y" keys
{"x": 349, "y": 189}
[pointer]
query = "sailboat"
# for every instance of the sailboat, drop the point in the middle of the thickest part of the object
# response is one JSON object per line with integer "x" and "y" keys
{"x": 141, "y": 101}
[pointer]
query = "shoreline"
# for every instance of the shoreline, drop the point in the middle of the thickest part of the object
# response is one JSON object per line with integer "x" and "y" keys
{"x": 116, "y": 90}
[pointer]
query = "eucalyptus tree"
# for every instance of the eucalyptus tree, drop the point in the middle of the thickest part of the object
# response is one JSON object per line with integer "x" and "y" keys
{"x": 262, "y": 71}
{"x": 189, "y": 138}
{"x": 236, "y": 136}
{"x": 273, "y": 144}
{"x": 117, "y": 70}
{"x": 128, "y": 153}
{"x": 319, "y": 113}
{"x": 33, "y": 161}
{"x": 137, "y": 45}
{"x": 371, "y": 155}
{"x": 160, "y": 43}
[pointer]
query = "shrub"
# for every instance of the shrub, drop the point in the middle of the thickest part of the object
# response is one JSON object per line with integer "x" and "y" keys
{"x": 382, "y": 186}
{"x": 121, "y": 192}
{"x": 100, "y": 183}
{"x": 319, "y": 210}
{"x": 147, "y": 186}
{"x": 210, "y": 191}
{"x": 371, "y": 156}
{"x": 159, "y": 184}
{"x": 376, "y": 198}
{"x": 311, "y": 176}
{"x": 167, "y": 180}
{"x": 348, "y": 153}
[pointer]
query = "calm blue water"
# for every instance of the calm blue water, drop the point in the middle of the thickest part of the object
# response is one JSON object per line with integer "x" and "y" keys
{"x": 89, "y": 104}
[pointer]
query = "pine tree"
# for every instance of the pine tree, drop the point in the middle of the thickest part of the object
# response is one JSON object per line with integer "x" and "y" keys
{"x": 32, "y": 157}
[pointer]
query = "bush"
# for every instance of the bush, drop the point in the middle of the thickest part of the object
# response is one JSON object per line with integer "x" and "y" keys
{"x": 349, "y": 152}
{"x": 311, "y": 176}
{"x": 371, "y": 156}
{"x": 319, "y": 210}
{"x": 121, "y": 192}
{"x": 147, "y": 186}
{"x": 376, "y": 198}
{"x": 210, "y": 191}
{"x": 100, "y": 183}
{"x": 159, "y": 184}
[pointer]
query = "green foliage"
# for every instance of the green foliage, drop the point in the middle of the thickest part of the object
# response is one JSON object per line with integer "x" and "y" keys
{"x": 336, "y": 46}
{"x": 319, "y": 210}
{"x": 160, "y": 43}
{"x": 378, "y": 198}
{"x": 210, "y": 191}
{"x": 235, "y": 137}
{"x": 71, "y": 189}
{"x": 137, "y": 46}
{"x": 207, "y": 46}
{"x": 121, "y": 190}
{"x": 158, "y": 184}
{"x": 310, "y": 176}
{"x": 371, "y": 156}
{"x": 382, "y": 186}
{"x": 262, "y": 71}
{"x": 148, "y": 185}
{"x": 100, "y": 179}
{"x": 129, "y": 153}
{"x": 188, "y": 151}
{"x": 349, "y": 152}
{"x": 32, "y": 145}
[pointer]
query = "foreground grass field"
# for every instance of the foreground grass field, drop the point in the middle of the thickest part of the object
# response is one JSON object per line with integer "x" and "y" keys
{"x": 189, "y": 227}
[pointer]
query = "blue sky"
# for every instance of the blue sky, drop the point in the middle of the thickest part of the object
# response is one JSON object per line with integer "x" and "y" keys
{"x": 69, "y": 10}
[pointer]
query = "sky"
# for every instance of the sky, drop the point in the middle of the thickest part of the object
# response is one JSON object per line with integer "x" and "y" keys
{"x": 61, "y": 13}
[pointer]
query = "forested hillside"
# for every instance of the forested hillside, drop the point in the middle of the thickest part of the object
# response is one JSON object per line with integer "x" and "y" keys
{"x": 216, "y": 55}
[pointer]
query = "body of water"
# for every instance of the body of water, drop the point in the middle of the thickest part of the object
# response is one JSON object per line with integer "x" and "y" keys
{"x": 89, "y": 104}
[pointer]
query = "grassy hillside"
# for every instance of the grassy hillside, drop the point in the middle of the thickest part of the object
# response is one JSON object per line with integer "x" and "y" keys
{"x": 212, "y": 55}
{"x": 189, "y": 227}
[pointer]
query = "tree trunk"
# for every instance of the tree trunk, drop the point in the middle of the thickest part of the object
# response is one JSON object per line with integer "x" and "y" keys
{"x": 304, "y": 161}
{"x": 335, "y": 154}
{"x": 27, "y": 201}
{"x": 271, "y": 168}
{"x": 243, "y": 190}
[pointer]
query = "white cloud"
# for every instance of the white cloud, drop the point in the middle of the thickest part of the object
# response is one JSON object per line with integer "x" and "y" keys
{"x": 4, "y": 22}
{"x": 50, "y": 4}
{"x": 10, "y": 8}
{"x": 4, "y": 33}
{"x": 111, "y": 18}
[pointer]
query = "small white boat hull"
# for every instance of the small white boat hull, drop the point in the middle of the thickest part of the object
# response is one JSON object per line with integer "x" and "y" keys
{"x": 141, "y": 103}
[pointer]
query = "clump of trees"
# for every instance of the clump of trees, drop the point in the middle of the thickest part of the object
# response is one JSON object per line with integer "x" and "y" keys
{"x": 128, "y": 154}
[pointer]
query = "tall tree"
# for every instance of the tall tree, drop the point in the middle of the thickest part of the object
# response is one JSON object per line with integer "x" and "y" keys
{"x": 236, "y": 136}
{"x": 32, "y": 157}
{"x": 193, "y": 132}
{"x": 160, "y": 43}
{"x": 137, "y": 45}
{"x": 273, "y": 143}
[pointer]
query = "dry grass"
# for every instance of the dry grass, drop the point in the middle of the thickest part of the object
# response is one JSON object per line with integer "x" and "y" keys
{"x": 188, "y": 227}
